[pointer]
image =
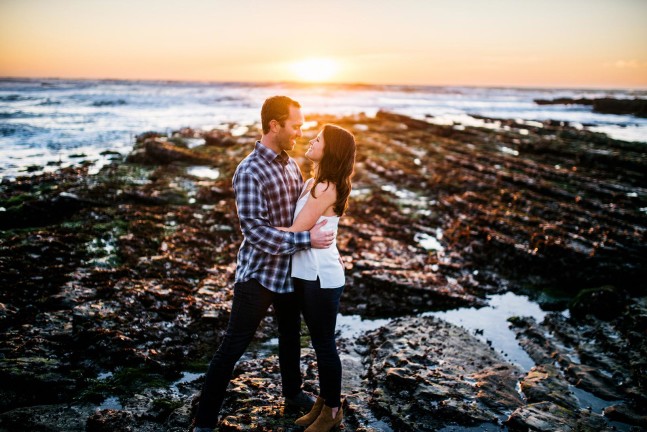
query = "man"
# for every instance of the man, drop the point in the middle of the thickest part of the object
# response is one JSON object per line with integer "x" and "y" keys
{"x": 267, "y": 184}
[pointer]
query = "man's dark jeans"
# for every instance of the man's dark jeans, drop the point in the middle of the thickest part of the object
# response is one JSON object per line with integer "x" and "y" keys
{"x": 249, "y": 307}
{"x": 320, "y": 307}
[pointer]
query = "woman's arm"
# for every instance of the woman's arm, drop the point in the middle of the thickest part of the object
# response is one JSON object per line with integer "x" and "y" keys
{"x": 325, "y": 197}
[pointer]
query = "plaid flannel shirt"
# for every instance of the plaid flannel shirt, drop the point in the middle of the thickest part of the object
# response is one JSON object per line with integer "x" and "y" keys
{"x": 267, "y": 187}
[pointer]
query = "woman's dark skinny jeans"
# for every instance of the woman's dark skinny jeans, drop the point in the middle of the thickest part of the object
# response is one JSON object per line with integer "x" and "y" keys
{"x": 320, "y": 307}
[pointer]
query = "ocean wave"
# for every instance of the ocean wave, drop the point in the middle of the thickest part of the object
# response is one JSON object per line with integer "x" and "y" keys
{"x": 15, "y": 98}
{"x": 103, "y": 103}
{"x": 19, "y": 114}
{"x": 49, "y": 102}
{"x": 18, "y": 130}
{"x": 61, "y": 115}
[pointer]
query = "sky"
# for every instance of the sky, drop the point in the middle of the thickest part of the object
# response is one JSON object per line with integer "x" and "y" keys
{"x": 547, "y": 43}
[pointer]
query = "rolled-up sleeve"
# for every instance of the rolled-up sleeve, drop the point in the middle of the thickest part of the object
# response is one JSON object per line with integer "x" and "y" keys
{"x": 254, "y": 220}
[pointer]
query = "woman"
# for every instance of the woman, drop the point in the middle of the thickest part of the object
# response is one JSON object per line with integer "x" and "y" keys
{"x": 318, "y": 274}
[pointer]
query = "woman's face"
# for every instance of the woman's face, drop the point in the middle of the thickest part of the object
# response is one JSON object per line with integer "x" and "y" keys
{"x": 316, "y": 150}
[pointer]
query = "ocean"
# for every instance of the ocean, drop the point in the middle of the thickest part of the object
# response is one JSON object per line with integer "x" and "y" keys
{"x": 49, "y": 123}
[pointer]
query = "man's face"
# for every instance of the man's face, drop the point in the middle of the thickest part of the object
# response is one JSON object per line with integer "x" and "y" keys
{"x": 287, "y": 136}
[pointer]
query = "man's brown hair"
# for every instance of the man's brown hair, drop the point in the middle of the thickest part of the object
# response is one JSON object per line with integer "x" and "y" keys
{"x": 276, "y": 108}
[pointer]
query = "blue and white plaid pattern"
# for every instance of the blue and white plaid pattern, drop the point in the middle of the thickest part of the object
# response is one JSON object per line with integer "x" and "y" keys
{"x": 267, "y": 187}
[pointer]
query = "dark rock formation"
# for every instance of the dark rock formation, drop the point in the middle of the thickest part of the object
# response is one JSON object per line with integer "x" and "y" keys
{"x": 591, "y": 355}
{"x": 156, "y": 151}
{"x": 219, "y": 138}
{"x": 548, "y": 416}
{"x": 605, "y": 303}
{"x": 427, "y": 373}
{"x": 51, "y": 418}
{"x": 636, "y": 107}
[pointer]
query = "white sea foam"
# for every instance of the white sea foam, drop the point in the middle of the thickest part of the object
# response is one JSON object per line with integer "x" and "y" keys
{"x": 48, "y": 120}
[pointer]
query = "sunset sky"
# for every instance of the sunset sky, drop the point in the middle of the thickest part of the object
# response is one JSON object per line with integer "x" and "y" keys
{"x": 548, "y": 43}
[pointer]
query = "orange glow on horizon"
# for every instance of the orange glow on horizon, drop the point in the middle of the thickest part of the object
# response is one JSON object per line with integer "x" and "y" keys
{"x": 600, "y": 44}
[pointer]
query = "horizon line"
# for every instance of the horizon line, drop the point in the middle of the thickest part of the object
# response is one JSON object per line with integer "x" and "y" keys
{"x": 324, "y": 84}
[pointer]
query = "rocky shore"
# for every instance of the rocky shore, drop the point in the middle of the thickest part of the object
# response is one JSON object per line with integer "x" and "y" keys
{"x": 636, "y": 107}
{"x": 116, "y": 287}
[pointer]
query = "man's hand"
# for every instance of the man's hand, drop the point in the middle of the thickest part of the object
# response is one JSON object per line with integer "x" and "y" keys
{"x": 319, "y": 238}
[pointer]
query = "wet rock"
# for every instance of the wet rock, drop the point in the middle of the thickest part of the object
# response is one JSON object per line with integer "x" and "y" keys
{"x": 390, "y": 277}
{"x": 49, "y": 418}
{"x": 254, "y": 401}
{"x": 534, "y": 340}
{"x": 157, "y": 151}
{"x": 626, "y": 414}
{"x": 637, "y": 107}
{"x": 593, "y": 380}
{"x": 427, "y": 373}
{"x": 140, "y": 197}
{"x": 209, "y": 194}
{"x": 218, "y": 138}
{"x": 109, "y": 420}
{"x": 394, "y": 292}
{"x": 7, "y": 313}
{"x": 605, "y": 303}
{"x": 148, "y": 135}
{"x": 187, "y": 132}
{"x": 515, "y": 228}
{"x": 43, "y": 212}
{"x": 110, "y": 153}
{"x": 547, "y": 416}
{"x": 545, "y": 382}
{"x": 405, "y": 120}
{"x": 33, "y": 168}
{"x": 34, "y": 380}
{"x": 591, "y": 355}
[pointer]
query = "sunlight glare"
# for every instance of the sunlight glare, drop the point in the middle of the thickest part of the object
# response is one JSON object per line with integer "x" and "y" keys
{"x": 315, "y": 69}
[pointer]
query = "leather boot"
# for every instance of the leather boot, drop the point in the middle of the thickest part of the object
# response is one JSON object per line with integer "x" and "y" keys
{"x": 325, "y": 421}
{"x": 309, "y": 418}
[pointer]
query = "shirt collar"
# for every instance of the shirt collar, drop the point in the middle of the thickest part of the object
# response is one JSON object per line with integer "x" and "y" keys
{"x": 283, "y": 158}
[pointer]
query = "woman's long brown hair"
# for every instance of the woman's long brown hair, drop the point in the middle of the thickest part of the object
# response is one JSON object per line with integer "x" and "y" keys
{"x": 336, "y": 165}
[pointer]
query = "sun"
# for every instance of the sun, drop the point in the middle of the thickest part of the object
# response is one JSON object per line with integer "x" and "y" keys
{"x": 315, "y": 69}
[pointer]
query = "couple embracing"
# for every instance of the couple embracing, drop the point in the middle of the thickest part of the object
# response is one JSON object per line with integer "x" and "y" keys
{"x": 288, "y": 259}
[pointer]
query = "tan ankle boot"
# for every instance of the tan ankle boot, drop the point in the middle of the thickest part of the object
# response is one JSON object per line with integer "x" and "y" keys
{"x": 325, "y": 421}
{"x": 309, "y": 418}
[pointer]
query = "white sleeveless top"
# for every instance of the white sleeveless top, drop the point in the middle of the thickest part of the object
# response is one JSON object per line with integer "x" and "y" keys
{"x": 323, "y": 263}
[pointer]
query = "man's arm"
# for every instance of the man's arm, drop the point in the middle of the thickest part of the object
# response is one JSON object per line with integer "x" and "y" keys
{"x": 254, "y": 220}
